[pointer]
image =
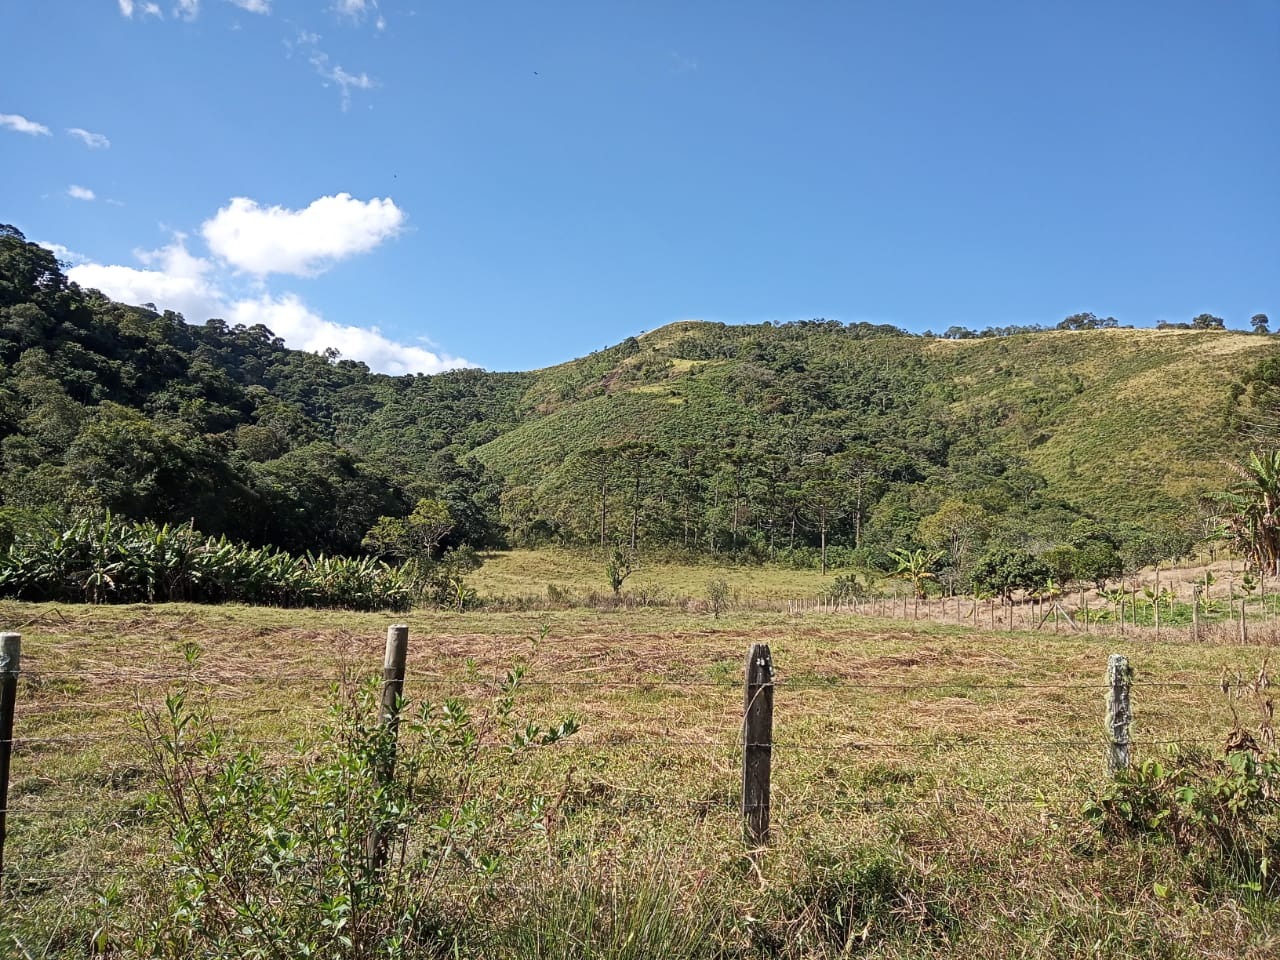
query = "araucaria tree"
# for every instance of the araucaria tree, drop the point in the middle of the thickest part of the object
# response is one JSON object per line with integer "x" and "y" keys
{"x": 1251, "y": 510}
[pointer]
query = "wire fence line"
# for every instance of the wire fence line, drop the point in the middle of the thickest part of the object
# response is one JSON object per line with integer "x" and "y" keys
{"x": 36, "y": 678}
{"x": 38, "y": 699}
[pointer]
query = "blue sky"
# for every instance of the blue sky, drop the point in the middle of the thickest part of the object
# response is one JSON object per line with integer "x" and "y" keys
{"x": 422, "y": 184}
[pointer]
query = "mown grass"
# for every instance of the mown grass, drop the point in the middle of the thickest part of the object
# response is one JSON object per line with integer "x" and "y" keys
{"x": 928, "y": 779}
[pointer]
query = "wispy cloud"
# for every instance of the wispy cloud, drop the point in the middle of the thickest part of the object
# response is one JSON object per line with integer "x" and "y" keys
{"x": 77, "y": 192}
{"x": 95, "y": 140}
{"x": 253, "y": 6}
{"x": 355, "y": 9}
{"x": 330, "y": 72}
{"x": 679, "y": 63}
{"x": 187, "y": 9}
{"x": 127, "y": 7}
{"x": 21, "y": 124}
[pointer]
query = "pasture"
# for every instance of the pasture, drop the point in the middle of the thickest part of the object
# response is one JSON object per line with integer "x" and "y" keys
{"x": 929, "y": 781}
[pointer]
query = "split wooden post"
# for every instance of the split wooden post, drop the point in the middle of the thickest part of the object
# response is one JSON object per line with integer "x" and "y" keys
{"x": 10, "y": 660}
{"x": 393, "y": 669}
{"x": 757, "y": 744}
{"x": 1119, "y": 712}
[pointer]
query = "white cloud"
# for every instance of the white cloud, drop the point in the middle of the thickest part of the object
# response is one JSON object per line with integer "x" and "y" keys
{"x": 126, "y": 7}
{"x": 173, "y": 278}
{"x": 253, "y": 6}
{"x": 176, "y": 280}
{"x": 62, "y": 253}
{"x": 95, "y": 140}
{"x": 262, "y": 240}
{"x": 77, "y": 192}
{"x": 288, "y": 317}
{"x": 358, "y": 10}
{"x": 20, "y": 124}
{"x": 355, "y": 9}
{"x": 187, "y": 9}
{"x": 152, "y": 10}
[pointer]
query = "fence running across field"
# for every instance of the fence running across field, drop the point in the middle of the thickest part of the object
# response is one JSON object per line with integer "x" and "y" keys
{"x": 744, "y": 715}
{"x": 1174, "y": 609}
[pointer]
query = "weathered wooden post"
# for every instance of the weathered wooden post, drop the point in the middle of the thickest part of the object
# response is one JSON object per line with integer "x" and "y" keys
{"x": 1119, "y": 712}
{"x": 10, "y": 659}
{"x": 1195, "y": 612}
{"x": 757, "y": 744}
{"x": 393, "y": 668}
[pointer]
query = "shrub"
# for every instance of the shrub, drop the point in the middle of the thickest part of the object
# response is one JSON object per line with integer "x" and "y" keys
{"x": 1003, "y": 571}
{"x": 717, "y": 596}
{"x": 1223, "y": 810}
{"x": 273, "y": 858}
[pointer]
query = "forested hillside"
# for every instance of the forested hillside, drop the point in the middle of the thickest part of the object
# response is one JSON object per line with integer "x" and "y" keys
{"x": 763, "y": 441}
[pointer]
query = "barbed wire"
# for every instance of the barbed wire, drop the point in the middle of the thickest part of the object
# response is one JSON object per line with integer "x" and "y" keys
{"x": 835, "y": 683}
{"x": 1029, "y": 743}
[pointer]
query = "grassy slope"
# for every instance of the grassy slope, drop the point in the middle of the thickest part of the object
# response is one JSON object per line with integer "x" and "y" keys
{"x": 1127, "y": 419}
{"x": 956, "y": 801}
{"x": 1147, "y": 423}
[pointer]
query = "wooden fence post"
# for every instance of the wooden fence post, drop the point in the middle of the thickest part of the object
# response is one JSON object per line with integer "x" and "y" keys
{"x": 757, "y": 743}
{"x": 10, "y": 659}
{"x": 1195, "y": 613}
{"x": 1119, "y": 712}
{"x": 393, "y": 668}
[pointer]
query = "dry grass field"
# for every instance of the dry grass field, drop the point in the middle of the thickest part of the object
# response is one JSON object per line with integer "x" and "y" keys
{"x": 928, "y": 780}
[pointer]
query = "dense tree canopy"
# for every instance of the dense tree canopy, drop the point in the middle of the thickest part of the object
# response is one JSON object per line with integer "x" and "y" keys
{"x": 811, "y": 442}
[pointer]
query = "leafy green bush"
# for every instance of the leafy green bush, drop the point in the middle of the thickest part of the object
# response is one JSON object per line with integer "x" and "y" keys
{"x": 1003, "y": 571}
{"x": 717, "y": 596}
{"x": 1223, "y": 810}
{"x": 845, "y": 586}
{"x": 274, "y": 857}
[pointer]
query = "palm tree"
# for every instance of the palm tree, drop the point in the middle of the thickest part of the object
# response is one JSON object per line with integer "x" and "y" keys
{"x": 1251, "y": 510}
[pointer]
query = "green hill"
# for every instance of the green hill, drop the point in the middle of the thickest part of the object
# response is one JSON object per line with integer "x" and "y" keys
{"x": 1129, "y": 427}
{"x": 760, "y": 441}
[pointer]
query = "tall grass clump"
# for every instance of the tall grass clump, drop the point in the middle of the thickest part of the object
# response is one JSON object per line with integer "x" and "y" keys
{"x": 109, "y": 560}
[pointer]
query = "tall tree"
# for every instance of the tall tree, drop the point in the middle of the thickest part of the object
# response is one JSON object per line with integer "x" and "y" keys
{"x": 824, "y": 501}
{"x": 1207, "y": 321}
